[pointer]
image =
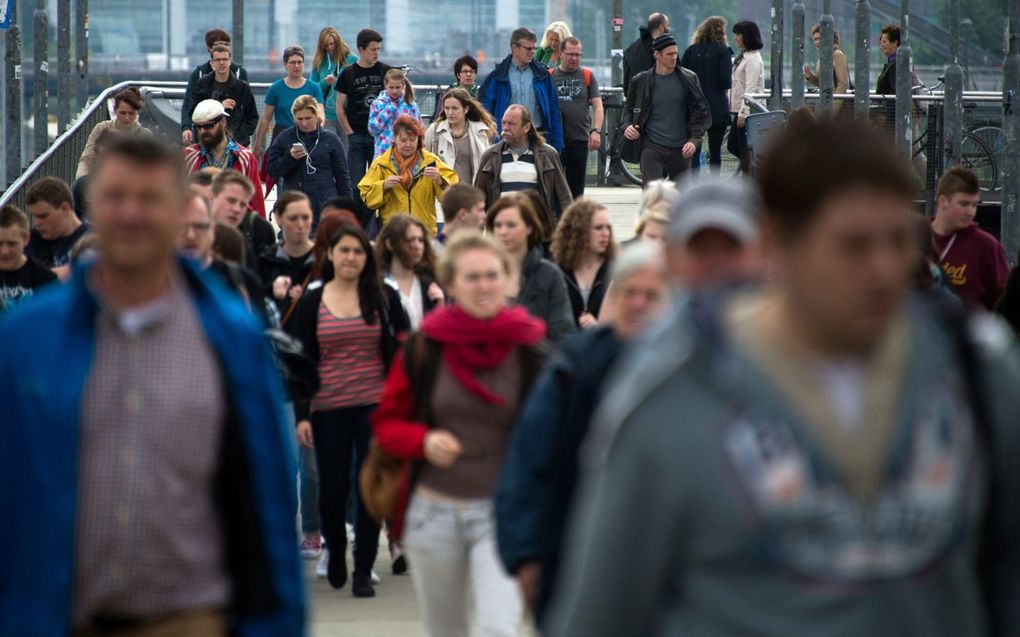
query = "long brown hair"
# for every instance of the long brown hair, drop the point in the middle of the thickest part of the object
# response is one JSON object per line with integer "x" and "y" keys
{"x": 395, "y": 233}
{"x": 571, "y": 239}
{"x": 473, "y": 109}
{"x": 342, "y": 49}
{"x": 713, "y": 29}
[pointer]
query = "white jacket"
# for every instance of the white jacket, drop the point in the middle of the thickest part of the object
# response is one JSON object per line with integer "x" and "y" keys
{"x": 748, "y": 77}
{"x": 439, "y": 141}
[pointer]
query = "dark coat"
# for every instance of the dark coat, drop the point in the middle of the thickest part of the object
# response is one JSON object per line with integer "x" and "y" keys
{"x": 540, "y": 472}
{"x": 595, "y": 296}
{"x": 887, "y": 79}
{"x": 304, "y": 325}
{"x": 712, "y": 62}
{"x": 331, "y": 178}
{"x": 273, "y": 263}
{"x": 188, "y": 104}
{"x": 258, "y": 237}
{"x": 639, "y": 101}
{"x": 243, "y": 119}
{"x": 552, "y": 181}
{"x": 638, "y": 56}
{"x": 544, "y": 293}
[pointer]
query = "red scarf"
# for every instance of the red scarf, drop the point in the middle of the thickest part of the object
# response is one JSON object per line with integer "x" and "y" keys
{"x": 471, "y": 344}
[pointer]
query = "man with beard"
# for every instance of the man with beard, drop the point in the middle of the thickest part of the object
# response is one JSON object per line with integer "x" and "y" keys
{"x": 215, "y": 149}
{"x": 523, "y": 161}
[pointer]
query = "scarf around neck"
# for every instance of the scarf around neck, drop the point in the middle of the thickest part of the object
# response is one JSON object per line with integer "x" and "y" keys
{"x": 406, "y": 167}
{"x": 471, "y": 344}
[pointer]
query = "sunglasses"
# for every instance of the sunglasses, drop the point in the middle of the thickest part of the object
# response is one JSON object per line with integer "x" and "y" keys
{"x": 209, "y": 125}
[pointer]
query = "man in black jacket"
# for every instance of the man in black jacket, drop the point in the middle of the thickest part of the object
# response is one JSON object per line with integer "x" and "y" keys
{"x": 638, "y": 56}
{"x": 666, "y": 114}
{"x": 212, "y": 38}
{"x": 234, "y": 93}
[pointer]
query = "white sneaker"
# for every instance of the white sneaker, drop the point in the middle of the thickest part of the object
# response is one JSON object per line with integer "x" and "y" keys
{"x": 350, "y": 533}
{"x": 375, "y": 577}
{"x": 323, "y": 565}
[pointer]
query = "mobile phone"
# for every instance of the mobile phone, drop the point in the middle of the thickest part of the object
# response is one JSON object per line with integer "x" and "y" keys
{"x": 297, "y": 146}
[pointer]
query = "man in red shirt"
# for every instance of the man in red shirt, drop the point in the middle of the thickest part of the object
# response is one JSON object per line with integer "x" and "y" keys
{"x": 974, "y": 260}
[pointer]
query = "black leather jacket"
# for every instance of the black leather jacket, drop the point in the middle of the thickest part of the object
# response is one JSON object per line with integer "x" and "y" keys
{"x": 639, "y": 100}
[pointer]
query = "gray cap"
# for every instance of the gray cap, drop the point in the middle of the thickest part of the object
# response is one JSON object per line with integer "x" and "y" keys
{"x": 730, "y": 205}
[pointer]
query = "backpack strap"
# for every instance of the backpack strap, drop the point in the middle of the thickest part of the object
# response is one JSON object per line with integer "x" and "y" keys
{"x": 587, "y": 75}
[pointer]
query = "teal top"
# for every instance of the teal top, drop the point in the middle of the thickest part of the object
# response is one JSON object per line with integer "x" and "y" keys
{"x": 319, "y": 76}
{"x": 281, "y": 97}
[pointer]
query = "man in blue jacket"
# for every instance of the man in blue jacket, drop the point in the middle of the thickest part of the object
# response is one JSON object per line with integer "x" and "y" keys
{"x": 519, "y": 79}
{"x": 142, "y": 438}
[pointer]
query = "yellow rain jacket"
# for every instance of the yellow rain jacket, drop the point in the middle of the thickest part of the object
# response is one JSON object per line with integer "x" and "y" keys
{"x": 420, "y": 202}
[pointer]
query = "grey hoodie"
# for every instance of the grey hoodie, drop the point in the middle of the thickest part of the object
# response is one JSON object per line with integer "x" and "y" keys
{"x": 711, "y": 508}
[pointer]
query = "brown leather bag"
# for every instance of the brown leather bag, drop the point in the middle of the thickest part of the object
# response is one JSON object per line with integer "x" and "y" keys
{"x": 380, "y": 480}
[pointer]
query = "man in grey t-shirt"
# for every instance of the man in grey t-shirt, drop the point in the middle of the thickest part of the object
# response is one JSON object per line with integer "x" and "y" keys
{"x": 667, "y": 112}
{"x": 576, "y": 90}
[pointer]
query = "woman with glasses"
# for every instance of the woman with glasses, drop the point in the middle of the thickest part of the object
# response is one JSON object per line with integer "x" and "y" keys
{"x": 281, "y": 96}
{"x": 465, "y": 70}
{"x": 309, "y": 158}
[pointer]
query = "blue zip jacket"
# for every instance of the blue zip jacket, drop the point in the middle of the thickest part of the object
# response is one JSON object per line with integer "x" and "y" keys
{"x": 40, "y": 403}
{"x": 495, "y": 96}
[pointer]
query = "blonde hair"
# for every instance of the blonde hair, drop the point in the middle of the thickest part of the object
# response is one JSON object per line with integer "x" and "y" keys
{"x": 463, "y": 242}
{"x": 560, "y": 28}
{"x": 398, "y": 74}
{"x": 308, "y": 102}
{"x": 657, "y": 212}
{"x": 342, "y": 49}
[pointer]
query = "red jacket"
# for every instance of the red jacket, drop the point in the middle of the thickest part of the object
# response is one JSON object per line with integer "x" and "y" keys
{"x": 244, "y": 163}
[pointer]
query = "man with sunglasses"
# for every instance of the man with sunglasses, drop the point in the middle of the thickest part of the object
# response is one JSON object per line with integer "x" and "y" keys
{"x": 215, "y": 149}
{"x": 519, "y": 79}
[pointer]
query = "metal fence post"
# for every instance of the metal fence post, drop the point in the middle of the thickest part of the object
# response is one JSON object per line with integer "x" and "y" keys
{"x": 862, "y": 61}
{"x": 63, "y": 65}
{"x": 776, "y": 99}
{"x": 40, "y": 78}
{"x": 12, "y": 62}
{"x": 81, "y": 51}
{"x": 826, "y": 81}
{"x": 237, "y": 36}
{"x": 904, "y": 82}
{"x": 953, "y": 104}
{"x": 797, "y": 66}
{"x": 617, "y": 52}
{"x": 1010, "y": 223}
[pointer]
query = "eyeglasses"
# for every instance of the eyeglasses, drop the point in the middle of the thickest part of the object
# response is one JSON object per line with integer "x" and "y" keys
{"x": 468, "y": 69}
{"x": 529, "y": 49}
{"x": 571, "y": 55}
{"x": 209, "y": 125}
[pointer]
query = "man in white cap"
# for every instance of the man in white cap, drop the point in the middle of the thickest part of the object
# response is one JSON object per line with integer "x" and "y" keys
{"x": 216, "y": 149}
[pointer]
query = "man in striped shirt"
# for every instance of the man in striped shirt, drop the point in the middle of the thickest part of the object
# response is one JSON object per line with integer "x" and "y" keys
{"x": 523, "y": 161}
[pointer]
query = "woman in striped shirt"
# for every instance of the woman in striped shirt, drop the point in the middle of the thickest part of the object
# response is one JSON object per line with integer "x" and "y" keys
{"x": 349, "y": 327}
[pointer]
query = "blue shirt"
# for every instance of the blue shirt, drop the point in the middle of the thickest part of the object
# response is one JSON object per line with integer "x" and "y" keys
{"x": 281, "y": 97}
{"x": 522, "y": 91}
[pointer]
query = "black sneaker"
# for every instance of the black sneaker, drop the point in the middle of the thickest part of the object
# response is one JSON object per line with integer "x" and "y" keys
{"x": 362, "y": 585}
{"x": 400, "y": 565}
{"x": 336, "y": 572}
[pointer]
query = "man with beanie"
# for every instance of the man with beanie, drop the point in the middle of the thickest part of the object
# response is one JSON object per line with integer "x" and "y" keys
{"x": 665, "y": 116}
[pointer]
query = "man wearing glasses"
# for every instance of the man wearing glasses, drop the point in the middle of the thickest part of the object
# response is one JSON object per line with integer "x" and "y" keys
{"x": 215, "y": 149}
{"x": 233, "y": 92}
{"x": 519, "y": 79}
{"x": 576, "y": 90}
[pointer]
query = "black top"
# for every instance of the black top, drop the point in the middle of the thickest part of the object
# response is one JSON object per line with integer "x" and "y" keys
{"x": 274, "y": 262}
{"x": 56, "y": 252}
{"x": 712, "y": 63}
{"x": 243, "y": 119}
{"x": 638, "y": 56}
{"x": 595, "y": 296}
{"x": 244, "y": 282}
{"x": 18, "y": 285}
{"x": 259, "y": 236}
{"x": 361, "y": 86}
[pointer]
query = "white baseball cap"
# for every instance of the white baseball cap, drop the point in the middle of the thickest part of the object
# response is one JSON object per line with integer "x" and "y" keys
{"x": 207, "y": 111}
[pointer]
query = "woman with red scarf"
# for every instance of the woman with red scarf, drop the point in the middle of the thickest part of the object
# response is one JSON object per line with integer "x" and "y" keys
{"x": 449, "y": 405}
{"x": 407, "y": 179}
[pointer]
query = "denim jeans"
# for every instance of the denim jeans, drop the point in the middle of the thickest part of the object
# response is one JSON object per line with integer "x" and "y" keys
{"x": 308, "y": 476}
{"x": 337, "y": 432}
{"x": 451, "y": 546}
{"x": 360, "y": 148}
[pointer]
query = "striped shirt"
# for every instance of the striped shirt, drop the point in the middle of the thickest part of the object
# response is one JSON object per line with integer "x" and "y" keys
{"x": 351, "y": 371}
{"x": 518, "y": 172}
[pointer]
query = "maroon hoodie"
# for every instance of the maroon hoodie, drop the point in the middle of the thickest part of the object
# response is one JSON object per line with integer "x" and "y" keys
{"x": 975, "y": 264}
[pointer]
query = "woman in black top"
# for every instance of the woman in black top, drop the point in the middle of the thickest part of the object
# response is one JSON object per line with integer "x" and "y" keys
{"x": 286, "y": 268}
{"x": 710, "y": 57}
{"x": 583, "y": 247}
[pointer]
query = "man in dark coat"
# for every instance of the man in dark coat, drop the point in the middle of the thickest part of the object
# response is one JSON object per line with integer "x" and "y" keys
{"x": 638, "y": 56}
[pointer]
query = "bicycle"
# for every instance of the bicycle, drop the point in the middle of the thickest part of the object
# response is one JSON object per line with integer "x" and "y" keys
{"x": 611, "y": 166}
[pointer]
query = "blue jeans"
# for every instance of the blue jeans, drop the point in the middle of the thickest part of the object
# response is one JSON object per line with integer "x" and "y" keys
{"x": 308, "y": 475}
{"x": 360, "y": 148}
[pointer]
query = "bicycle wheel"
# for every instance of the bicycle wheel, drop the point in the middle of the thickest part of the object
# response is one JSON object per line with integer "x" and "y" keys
{"x": 976, "y": 156}
{"x": 619, "y": 172}
{"x": 995, "y": 142}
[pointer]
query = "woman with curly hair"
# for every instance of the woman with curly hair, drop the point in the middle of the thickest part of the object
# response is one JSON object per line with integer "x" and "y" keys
{"x": 407, "y": 262}
{"x": 583, "y": 247}
{"x": 461, "y": 133}
{"x": 709, "y": 56}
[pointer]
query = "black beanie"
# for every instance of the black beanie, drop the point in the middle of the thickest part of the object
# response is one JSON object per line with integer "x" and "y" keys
{"x": 663, "y": 41}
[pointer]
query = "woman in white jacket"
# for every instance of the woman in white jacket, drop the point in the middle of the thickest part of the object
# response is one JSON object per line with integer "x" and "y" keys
{"x": 748, "y": 77}
{"x": 461, "y": 133}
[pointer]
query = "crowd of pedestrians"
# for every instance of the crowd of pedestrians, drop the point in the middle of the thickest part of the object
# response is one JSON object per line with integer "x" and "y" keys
{"x": 783, "y": 406}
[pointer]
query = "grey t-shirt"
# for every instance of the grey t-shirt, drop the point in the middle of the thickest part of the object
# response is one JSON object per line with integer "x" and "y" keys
{"x": 462, "y": 163}
{"x": 574, "y": 98}
{"x": 667, "y": 123}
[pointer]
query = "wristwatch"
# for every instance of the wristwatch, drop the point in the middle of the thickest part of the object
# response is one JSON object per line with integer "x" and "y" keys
{"x": 595, "y": 130}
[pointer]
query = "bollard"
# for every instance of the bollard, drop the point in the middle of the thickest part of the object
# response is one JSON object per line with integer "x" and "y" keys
{"x": 41, "y": 78}
{"x": 904, "y": 82}
{"x": 617, "y": 52}
{"x": 237, "y": 37}
{"x": 81, "y": 51}
{"x": 12, "y": 63}
{"x": 862, "y": 61}
{"x": 776, "y": 98}
{"x": 63, "y": 66}
{"x": 797, "y": 48}
{"x": 953, "y": 105}
{"x": 826, "y": 81}
{"x": 1010, "y": 166}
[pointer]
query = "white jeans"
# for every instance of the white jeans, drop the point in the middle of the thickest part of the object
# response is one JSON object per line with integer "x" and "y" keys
{"x": 451, "y": 546}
